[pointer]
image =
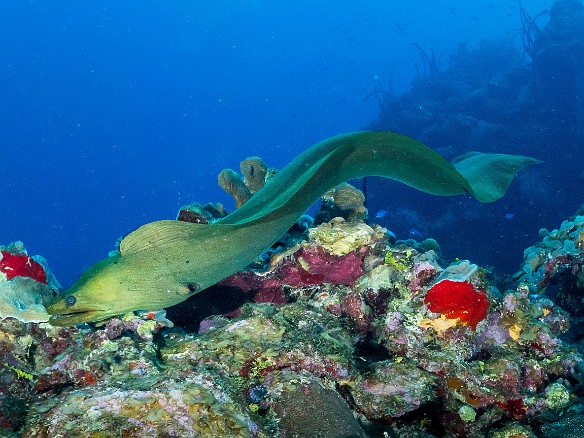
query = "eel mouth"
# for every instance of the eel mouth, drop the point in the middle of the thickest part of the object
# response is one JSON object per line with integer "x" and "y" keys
{"x": 73, "y": 318}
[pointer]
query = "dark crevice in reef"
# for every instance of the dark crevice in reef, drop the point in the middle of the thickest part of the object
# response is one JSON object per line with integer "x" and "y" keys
{"x": 216, "y": 300}
{"x": 368, "y": 352}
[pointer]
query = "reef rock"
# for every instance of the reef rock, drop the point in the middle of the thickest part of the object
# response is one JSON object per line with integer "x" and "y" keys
{"x": 344, "y": 334}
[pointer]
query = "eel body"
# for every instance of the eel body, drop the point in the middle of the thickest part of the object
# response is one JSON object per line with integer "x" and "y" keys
{"x": 163, "y": 263}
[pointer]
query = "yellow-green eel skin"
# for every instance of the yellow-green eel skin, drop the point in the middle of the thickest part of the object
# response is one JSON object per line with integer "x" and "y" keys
{"x": 165, "y": 262}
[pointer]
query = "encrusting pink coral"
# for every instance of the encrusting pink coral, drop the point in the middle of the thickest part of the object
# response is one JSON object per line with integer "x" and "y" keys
{"x": 458, "y": 299}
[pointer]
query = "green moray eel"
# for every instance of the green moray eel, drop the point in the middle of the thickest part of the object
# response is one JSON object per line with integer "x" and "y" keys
{"x": 165, "y": 262}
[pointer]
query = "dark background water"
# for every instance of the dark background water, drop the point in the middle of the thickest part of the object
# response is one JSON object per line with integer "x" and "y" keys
{"x": 114, "y": 114}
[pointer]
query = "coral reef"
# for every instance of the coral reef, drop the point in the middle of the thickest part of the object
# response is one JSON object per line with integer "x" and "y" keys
{"x": 341, "y": 332}
{"x": 489, "y": 97}
{"x": 477, "y": 97}
{"x": 201, "y": 214}
{"x": 306, "y": 407}
{"x": 554, "y": 269}
{"x": 558, "y": 253}
{"x": 343, "y": 201}
{"x": 556, "y": 51}
{"x": 193, "y": 406}
{"x": 255, "y": 174}
{"x": 491, "y": 93}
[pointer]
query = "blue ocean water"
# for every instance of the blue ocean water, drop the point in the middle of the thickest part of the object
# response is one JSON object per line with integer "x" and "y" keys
{"x": 115, "y": 114}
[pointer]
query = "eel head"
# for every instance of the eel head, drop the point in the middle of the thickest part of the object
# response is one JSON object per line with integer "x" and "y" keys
{"x": 107, "y": 289}
{"x": 159, "y": 265}
{"x": 88, "y": 299}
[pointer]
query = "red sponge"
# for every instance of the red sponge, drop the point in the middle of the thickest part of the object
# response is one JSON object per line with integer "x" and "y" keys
{"x": 458, "y": 299}
{"x": 21, "y": 265}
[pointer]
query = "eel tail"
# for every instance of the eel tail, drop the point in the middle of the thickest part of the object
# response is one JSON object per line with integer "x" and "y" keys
{"x": 378, "y": 153}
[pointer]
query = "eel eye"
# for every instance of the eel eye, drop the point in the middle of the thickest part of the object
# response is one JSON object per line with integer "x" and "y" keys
{"x": 192, "y": 287}
{"x": 70, "y": 300}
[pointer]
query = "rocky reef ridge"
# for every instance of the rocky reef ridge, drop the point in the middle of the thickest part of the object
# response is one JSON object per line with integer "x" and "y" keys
{"x": 341, "y": 330}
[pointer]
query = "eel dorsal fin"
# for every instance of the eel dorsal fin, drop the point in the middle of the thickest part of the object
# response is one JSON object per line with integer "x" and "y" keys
{"x": 165, "y": 233}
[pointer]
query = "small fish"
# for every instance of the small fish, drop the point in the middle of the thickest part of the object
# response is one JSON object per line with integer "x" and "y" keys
{"x": 415, "y": 234}
{"x": 509, "y": 215}
{"x": 380, "y": 213}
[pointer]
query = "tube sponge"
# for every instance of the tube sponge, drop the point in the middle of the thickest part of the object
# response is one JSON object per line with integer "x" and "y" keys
{"x": 230, "y": 181}
{"x": 254, "y": 172}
